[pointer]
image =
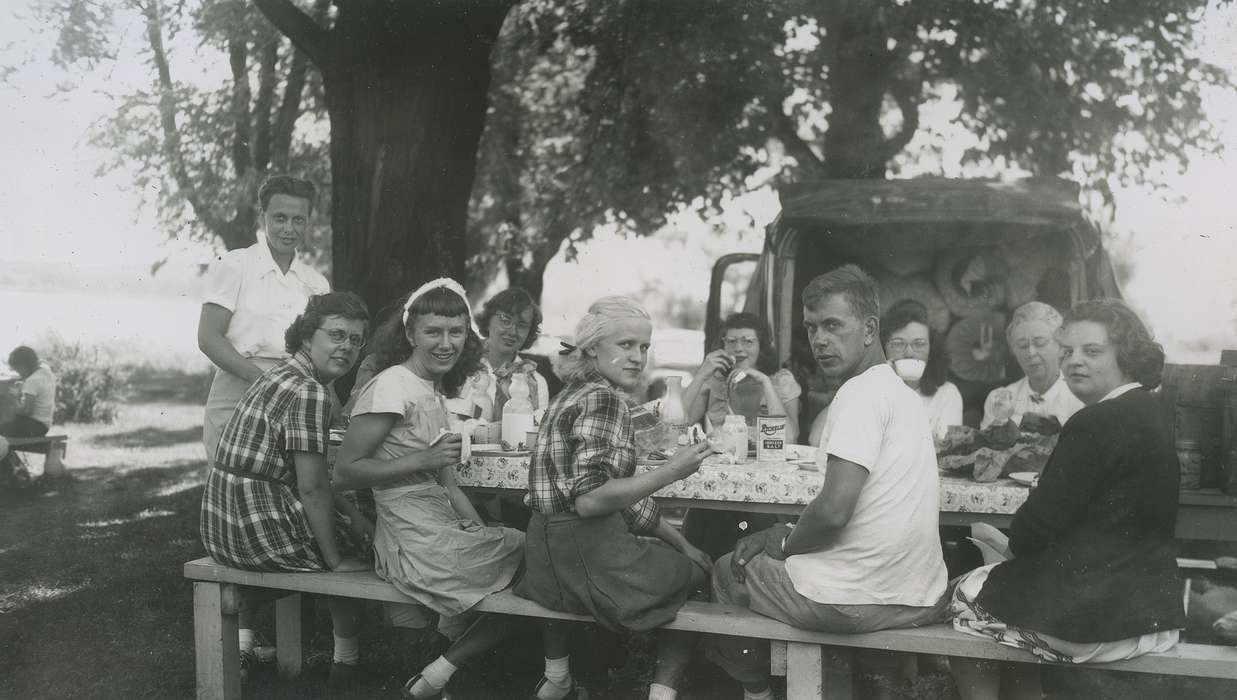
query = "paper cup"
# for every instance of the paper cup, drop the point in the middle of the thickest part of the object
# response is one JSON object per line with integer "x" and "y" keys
{"x": 909, "y": 368}
{"x": 530, "y": 440}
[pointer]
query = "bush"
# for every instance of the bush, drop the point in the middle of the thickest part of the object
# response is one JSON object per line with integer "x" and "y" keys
{"x": 90, "y": 384}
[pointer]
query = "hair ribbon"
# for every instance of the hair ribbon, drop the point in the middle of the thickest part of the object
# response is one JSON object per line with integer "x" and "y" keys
{"x": 440, "y": 283}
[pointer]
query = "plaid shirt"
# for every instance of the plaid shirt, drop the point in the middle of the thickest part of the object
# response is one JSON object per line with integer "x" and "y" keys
{"x": 586, "y": 438}
{"x": 259, "y": 523}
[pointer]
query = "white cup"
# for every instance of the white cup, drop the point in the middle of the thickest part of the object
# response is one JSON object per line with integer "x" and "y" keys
{"x": 909, "y": 368}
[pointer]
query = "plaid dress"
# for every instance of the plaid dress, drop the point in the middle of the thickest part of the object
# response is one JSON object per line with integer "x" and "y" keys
{"x": 596, "y": 566}
{"x": 252, "y": 517}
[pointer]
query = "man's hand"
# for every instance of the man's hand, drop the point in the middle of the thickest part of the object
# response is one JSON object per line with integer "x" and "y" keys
{"x": 773, "y": 543}
{"x": 745, "y": 550}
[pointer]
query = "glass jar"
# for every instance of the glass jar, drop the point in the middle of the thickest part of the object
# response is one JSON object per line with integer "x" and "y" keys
{"x": 733, "y": 435}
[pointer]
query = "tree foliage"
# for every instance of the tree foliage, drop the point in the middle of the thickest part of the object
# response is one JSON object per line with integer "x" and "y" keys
{"x": 624, "y": 112}
{"x": 199, "y": 150}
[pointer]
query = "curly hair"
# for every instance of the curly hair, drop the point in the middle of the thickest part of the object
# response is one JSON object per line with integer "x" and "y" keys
{"x": 343, "y": 304}
{"x": 904, "y": 313}
{"x": 766, "y": 360}
{"x": 855, "y": 285}
{"x": 513, "y": 301}
{"x": 591, "y": 330}
{"x": 286, "y": 184}
{"x": 391, "y": 346}
{"x": 23, "y": 356}
{"x": 1138, "y": 355}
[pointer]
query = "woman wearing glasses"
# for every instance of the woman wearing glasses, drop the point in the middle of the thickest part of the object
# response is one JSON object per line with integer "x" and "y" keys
{"x": 269, "y": 504}
{"x": 906, "y": 336}
{"x": 1032, "y": 336}
{"x": 742, "y": 378}
{"x": 510, "y": 322}
{"x": 739, "y": 378}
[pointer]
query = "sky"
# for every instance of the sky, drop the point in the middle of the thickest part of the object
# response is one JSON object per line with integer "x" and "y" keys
{"x": 55, "y": 209}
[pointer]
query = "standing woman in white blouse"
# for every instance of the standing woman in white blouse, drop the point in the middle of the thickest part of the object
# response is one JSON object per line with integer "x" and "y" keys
{"x": 251, "y": 296}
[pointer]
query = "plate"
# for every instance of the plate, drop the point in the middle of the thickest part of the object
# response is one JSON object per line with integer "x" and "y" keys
{"x": 1025, "y": 478}
{"x": 806, "y": 464}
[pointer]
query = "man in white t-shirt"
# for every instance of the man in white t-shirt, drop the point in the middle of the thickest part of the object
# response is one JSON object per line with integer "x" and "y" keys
{"x": 251, "y": 297}
{"x": 865, "y": 554}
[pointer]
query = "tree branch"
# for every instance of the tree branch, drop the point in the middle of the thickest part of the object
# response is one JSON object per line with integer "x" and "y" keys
{"x": 167, "y": 120}
{"x": 268, "y": 56}
{"x": 787, "y": 131}
{"x": 304, "y": 32}
{"x": 906, "y": 94}
{"x": 238, "y": 59}
{"x": 290, "y": 105}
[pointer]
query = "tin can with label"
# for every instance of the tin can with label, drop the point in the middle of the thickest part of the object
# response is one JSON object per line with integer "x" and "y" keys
{"x": 770, "y": 438}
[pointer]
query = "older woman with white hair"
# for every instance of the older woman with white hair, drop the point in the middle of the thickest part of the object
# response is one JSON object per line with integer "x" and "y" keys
{"x": 1032, "y": 335}
{"x": 584, "y": 552}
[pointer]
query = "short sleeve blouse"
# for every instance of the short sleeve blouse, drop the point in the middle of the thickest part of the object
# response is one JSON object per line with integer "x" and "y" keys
{"x": 420, "y": 412}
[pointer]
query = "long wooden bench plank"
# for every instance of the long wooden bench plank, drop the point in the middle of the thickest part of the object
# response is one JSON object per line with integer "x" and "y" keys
{"x": 18, "y": 443}
{"x": 713, "y": 618}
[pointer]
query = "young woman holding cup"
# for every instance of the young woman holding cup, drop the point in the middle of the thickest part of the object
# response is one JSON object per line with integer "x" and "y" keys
{"x": 918, "y": 356}
{"x": 430, "y": 541}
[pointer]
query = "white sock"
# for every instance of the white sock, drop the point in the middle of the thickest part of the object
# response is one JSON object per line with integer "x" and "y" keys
{"x": 558, "y": 679}
{"x": 347, "y": 649}
{"x": 434, "y": 677}
{"x": 245, "y": 636}
{"x": 766, "y": 694}
{"x": 657, "y": 691}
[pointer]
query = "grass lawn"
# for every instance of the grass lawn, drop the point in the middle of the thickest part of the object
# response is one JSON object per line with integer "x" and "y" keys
{"x": 93, "y": 605}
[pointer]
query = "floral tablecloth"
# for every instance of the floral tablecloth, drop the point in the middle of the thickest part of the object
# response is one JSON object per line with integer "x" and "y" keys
{"x": 756, "y": 482}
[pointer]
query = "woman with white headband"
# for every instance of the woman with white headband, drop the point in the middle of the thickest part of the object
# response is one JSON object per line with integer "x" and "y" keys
{"x": 429, "y": 541}
{"x": 589, "y": 549}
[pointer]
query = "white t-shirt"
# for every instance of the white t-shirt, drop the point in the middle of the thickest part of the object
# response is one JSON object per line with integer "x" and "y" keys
{"x": 263, "y": 300}
{"x": 944, "y": 408}
{"x": 1058, "y": 401}
{"x": 890, "y": 552}
{"x": 41, "y": 384}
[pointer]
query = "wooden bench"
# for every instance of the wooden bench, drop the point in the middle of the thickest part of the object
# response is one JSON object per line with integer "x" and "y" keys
{"x": 815, "y": 664}
{"x": 54, "y": 446}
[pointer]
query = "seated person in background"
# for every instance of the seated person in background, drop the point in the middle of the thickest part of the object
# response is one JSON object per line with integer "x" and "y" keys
{"x": 1094, "y": 575}
{"x": 738, "y": 378}
{"x": 1032, "y": 336}
{"x": 35, "y": 405}
{"x": 509, "y": 322}
{"x": 917, "y": 354}
{"x": 865, "y": 554}
{"x": 268, "y": 503}
{"x": 741, "y": 377}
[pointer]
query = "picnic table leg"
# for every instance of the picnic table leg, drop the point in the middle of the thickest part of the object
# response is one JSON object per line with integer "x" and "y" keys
{"x": 777, "y": 658}
{"x": 288, "y": 656}
{"x": 53, "y": 461}
{"x": 804, "y": 680}
{"x": 214, "y": 641}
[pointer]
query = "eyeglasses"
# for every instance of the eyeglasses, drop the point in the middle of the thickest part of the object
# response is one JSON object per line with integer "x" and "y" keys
{"x": 340, "y": 336}
{"x": 739, "y": 342}
{"x": 507, "y": 323}
{"x": 899, "y": 345}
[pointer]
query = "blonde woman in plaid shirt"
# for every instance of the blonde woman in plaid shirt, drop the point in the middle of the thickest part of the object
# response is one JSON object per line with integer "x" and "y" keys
{"x": 589, "y": 548}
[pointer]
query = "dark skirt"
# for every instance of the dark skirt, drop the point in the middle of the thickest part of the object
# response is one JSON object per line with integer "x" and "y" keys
{"x": 597, "y": 567}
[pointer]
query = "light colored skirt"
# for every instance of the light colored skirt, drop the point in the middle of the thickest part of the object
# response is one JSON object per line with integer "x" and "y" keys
{"x": 969, "y": 617}
{"x": 432, "y": 555}
{"x": 226, "y": 390}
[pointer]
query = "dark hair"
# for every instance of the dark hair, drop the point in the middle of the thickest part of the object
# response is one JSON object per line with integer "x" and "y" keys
{"x": 909, "y": 311}
{"x": 1138, "y": 355}
{"x": 766, "y": 360}
{"x": 24, "y": 356}
{"x": 855, "y": 285}
{"x": 343, "y": 304}
{"x": 391, "y": 346}
{"x": 513, "y": 301}
{"x": 286, "y": 184}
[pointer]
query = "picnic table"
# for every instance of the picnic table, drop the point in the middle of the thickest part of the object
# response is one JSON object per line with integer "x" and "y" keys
{"x": 783, "y": 488}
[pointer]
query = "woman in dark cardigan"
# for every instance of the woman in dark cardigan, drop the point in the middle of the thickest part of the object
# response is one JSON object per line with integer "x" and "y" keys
{"x": 1092, "y": 575}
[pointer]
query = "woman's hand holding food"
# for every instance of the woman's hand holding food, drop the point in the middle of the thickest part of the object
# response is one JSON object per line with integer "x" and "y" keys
{"x": 687, "y": 459}
{"x": 718, "y": 362}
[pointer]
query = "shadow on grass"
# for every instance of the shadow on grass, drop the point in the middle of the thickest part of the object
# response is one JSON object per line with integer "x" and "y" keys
{"x": 150, "y": 438}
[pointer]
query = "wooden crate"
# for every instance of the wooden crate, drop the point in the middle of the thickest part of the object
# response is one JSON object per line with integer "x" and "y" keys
{"x": 1201, "y": 404}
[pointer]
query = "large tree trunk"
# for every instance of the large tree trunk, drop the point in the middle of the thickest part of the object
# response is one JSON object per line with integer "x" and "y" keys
{"x": 406, "y": 86}
{"x": 855, "y": 144}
